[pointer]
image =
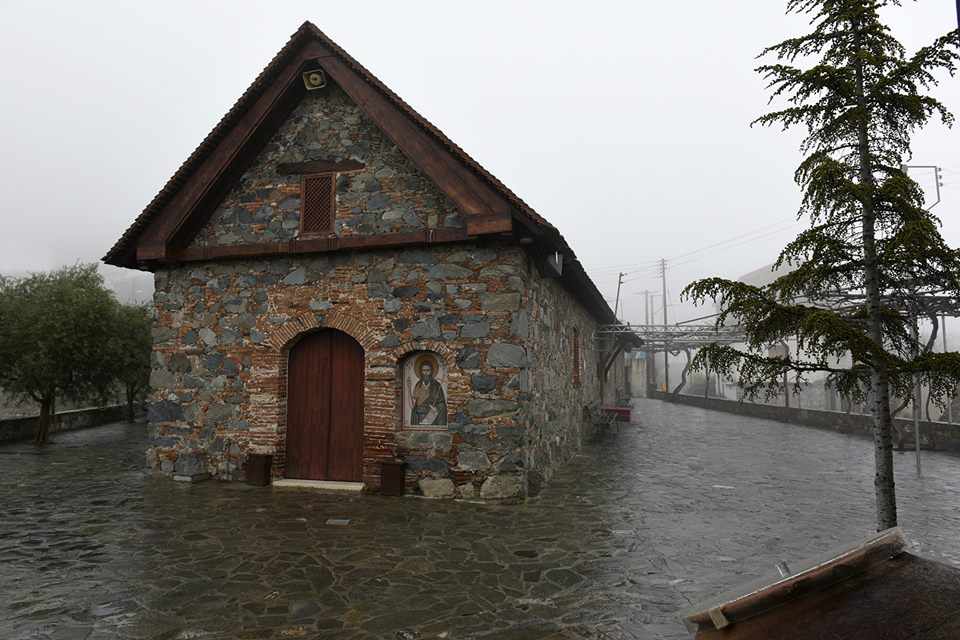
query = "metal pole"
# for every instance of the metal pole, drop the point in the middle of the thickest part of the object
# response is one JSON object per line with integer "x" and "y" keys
{"x": 916, "y": 396}
{"x": 706, "y": 387}
{"x": 616, "y": 304}
{"x": 666, "y": 351}
{"x": 648, "y": 363}
{"x": 943, "y": 324}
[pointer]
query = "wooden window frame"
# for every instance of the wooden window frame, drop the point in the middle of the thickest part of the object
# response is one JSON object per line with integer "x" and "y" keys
{"x": 323, "y": 233}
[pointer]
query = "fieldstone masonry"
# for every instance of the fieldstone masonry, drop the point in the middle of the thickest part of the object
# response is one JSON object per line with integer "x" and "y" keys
{"x": 224, "y": 328}
{"x": 389, "y": 196}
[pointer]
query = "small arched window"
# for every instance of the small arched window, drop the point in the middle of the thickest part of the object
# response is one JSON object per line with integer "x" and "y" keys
{"x": 575, "y": 342}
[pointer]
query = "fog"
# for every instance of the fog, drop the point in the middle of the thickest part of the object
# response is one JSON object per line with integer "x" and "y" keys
{"x": 626, "y": 124}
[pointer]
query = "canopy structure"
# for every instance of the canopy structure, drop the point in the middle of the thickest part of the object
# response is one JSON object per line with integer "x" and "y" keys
{"x": 657, "y": 338}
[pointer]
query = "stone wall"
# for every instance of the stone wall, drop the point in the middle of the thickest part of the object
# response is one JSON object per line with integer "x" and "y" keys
{"x": 933, "y": 435}
{"x": 223, "y": 330}
{"x": 14, "y": 429}
{"x": 554, "y": 397}
{"x": 389, "y": 195}
{"x": 514, "y": 410}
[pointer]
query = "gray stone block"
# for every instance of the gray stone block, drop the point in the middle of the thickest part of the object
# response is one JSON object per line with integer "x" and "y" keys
{"x": 438, "y": 442}
{"x": 513, "y": 461}
{"x": 503, "y": 355}
{"x": 164, "y": 411}
{"x": 500, "y": 302}
{"x": 426, "y": 329}
{"x": 471, "y": 459}
{"x": 208, "y": 336}
{"x": 448, "y": 272}
{"x": 441, "y": 488}
{"x": 520, "y": 324}
{"x": 475, "y": 330}
{"x": 390, "y": 341}
{"x": 406, "y": 292}
{"x": 298, "y": 276}
{"x": 189, "y": 464}
{"x": 180, "y": 363}
{"x": 501, "y": 487}
{"x": 468, "y": 358}
{"x": 486, "y": 407}
{"x": 433, "y": 465}
{"x": 483, "y": 383}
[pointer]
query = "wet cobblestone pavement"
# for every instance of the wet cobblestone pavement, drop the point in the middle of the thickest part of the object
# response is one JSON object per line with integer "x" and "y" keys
{"x": 682, "y": 505}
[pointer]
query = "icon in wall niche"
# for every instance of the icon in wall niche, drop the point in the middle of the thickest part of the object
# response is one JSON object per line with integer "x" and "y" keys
{"x": 424, "y": 391}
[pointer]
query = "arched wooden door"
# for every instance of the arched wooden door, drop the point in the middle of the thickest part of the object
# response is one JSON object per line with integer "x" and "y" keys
{"x": 325, "y": 408}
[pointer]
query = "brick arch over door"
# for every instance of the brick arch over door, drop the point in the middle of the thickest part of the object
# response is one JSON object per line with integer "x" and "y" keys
{"x": 288, "y": 333}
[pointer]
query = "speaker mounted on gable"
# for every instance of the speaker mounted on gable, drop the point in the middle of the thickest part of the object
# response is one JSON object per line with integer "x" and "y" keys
{"x": 314, "y": 79}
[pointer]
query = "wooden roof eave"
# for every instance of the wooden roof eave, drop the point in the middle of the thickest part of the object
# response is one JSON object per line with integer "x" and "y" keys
{"x": 165, "y": 226}
{"x": 485, "y": 211}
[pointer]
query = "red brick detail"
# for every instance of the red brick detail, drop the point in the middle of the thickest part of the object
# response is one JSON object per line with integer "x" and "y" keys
{"x": 340, "y": 319}
{"x": 402, "y": 351}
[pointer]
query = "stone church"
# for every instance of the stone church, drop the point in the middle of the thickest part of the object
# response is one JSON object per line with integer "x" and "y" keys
{"x": 339, "y": 284}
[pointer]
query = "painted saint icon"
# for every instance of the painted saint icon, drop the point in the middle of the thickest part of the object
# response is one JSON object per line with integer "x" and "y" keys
{"x": 428, "y": 404}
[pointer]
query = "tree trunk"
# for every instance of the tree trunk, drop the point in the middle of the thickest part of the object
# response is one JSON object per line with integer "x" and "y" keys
{"x": 130, "y": 397}
{"x": 43, "y": 424}
{"x": 883, "y": 482}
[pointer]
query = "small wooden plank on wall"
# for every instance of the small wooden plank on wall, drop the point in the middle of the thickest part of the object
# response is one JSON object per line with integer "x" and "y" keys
{"x": 481, "y": 224}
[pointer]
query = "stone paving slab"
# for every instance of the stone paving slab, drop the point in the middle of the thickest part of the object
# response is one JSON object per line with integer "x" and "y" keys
{"x": 645, "y": 521}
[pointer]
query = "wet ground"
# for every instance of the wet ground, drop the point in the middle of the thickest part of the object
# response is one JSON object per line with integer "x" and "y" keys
{"x": 684, "y": 504}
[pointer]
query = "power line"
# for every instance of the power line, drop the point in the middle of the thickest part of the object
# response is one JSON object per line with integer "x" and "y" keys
{"x": 653, "y": 265}
{"x": 743, "y": 235}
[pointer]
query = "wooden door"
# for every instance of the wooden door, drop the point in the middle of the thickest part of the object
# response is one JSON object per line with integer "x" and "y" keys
{"x": 325, "y": 408}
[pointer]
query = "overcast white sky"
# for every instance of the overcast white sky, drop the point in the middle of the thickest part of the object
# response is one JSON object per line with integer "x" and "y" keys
{"x": 623, "y": 123}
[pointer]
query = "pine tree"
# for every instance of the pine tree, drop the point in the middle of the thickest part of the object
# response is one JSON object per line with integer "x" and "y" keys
{"x": 872, "y": 255}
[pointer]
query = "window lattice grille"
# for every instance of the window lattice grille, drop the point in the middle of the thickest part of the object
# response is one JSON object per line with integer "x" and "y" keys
{"x": 318, "y": 199}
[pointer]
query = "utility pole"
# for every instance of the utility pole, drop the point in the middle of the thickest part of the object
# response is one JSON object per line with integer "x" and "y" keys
{"x": 916, "y": 395}
{"x": 616, "y": 305}
{"x": 943, "y": 322}
{"x": 706, "y": 387}
{"x": 650, "y": 355}
{"x": 937, "y": 177}
{"x": 666, "y": 352}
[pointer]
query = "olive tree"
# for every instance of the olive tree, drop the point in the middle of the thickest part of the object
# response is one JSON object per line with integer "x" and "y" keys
{"x": 55, "y": 331}
{"x": 130, "y": 345}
